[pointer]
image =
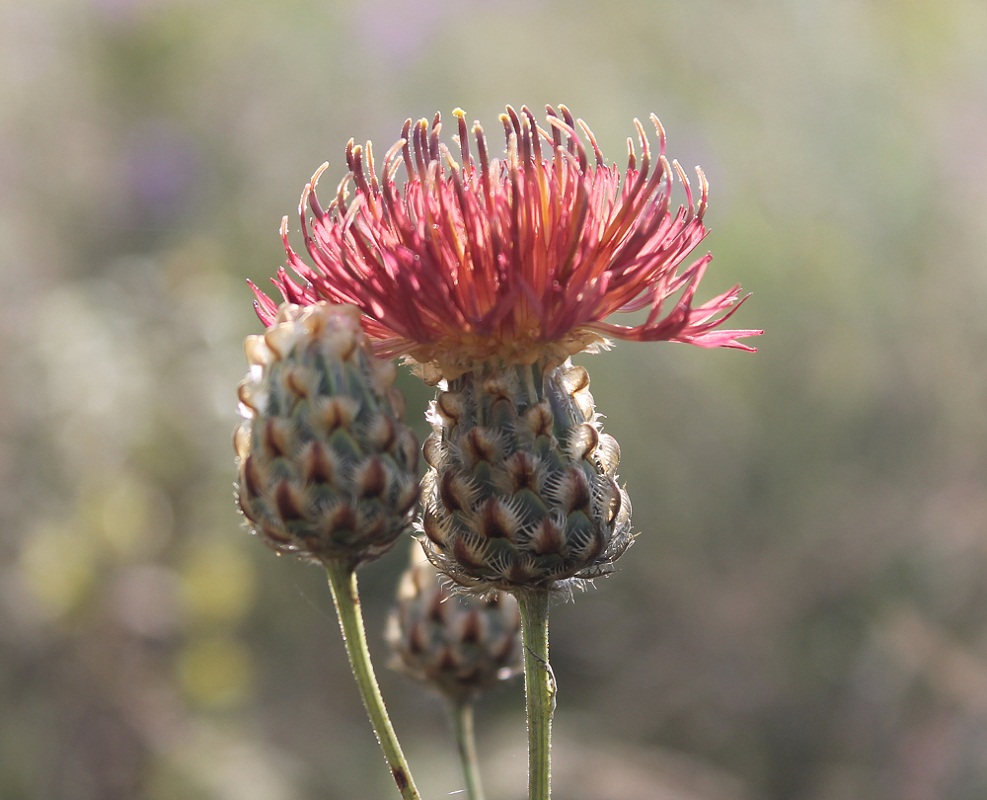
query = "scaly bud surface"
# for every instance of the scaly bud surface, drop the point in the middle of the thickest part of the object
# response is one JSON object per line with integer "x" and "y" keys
{"x": 521, "y": 491}
{"x": 457, "y": 644}
{"x": 326, "y": 467}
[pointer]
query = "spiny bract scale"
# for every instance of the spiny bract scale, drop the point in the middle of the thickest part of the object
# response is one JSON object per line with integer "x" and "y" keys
{"x": 521, "y": 491}
{"x": 458, "y": 645}
{"x": 326, "y": 468}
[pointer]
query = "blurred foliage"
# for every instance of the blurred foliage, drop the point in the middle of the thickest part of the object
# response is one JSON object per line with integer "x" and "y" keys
{"x": 805, "y": 613}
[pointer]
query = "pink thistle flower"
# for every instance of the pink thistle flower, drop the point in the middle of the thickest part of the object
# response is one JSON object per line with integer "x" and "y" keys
{"x": 515, "y": 260}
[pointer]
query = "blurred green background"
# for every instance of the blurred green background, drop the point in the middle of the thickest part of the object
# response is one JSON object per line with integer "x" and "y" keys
{"x": 805, "y": 612}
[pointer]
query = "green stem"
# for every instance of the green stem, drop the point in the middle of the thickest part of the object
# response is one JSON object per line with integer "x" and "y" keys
{"x": 539, "y": 687}
{"x": 462, "y": 720}
{"x": 342, "y": 581}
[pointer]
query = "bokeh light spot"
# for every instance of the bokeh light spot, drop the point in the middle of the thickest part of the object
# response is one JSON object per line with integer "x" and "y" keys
{"x": 58, "y": 566}
{"x": 217, "y": 584}
{"x": 215, "y": 672}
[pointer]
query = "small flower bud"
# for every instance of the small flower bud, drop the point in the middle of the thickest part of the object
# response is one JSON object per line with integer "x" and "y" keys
{"x": 457, "y": 644}
{"x": 326, "y": 468}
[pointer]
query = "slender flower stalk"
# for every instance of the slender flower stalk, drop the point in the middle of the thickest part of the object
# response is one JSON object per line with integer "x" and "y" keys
{"x": 540, "y": 691}
{"x": 342, "y": 581}
{"x": 462, "y": 721}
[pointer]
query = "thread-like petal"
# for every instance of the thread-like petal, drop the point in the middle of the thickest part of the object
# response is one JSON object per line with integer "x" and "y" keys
{"x": 511, "y": 260}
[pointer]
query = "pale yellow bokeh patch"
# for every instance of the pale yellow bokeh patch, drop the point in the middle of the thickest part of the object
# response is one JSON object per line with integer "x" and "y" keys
{"x": 215, "y": 671}
{"x": 217, "y": 584}
{"x": 128, "y": 517}
{"x": 58, "y": 567}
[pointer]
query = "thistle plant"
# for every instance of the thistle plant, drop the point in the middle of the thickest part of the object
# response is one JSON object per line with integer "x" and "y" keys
{"x": 457, "y": 645}
{"x": 326, "y": 468}
{"x": 487, "y": 274}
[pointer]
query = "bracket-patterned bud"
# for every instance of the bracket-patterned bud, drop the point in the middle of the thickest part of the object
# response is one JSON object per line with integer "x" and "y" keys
{"x": 326, "y": 467}
{"x": 457, "y": 644}
{"x": 521, "y": 491}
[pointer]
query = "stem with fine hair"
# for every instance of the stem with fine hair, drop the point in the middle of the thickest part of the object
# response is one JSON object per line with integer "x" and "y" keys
{"x": 539, "y": 688}
{"x": 462, "y": 720}
{"x": 342, "y": 581}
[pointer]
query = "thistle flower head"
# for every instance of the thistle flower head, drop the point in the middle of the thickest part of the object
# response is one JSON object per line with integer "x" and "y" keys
{"x": 477, "y": 260}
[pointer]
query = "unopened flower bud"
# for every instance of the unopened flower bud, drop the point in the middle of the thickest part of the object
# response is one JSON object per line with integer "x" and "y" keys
{"x": 326, "y": 467}
{"x": 455, "y": 643}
